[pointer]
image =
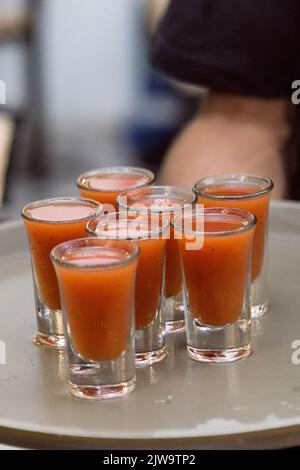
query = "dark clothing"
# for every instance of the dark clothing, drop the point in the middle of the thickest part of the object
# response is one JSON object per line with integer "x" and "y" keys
{"x": 239, "y": 46}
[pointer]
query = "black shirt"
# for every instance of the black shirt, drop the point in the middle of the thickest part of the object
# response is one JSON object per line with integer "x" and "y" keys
{"x": 239, "y": 46}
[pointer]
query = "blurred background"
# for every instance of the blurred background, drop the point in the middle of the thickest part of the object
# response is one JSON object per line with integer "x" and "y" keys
{"x": 77, "y": 93}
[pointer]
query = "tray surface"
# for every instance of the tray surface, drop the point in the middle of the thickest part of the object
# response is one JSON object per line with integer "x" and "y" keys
{"x": 254, "y": 402}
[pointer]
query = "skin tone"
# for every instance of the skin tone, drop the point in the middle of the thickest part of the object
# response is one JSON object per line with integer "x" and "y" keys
{"x": 233, "y": 133}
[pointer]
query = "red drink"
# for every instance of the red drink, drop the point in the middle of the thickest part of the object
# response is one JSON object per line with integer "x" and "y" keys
{"x": 98, "y": 321}
{"x": 96, "y": 281}
{"x": 216, "y": 274}
{"x": 49, "y": 223}
{"x": 47, "y": 226}
{"x": 215, "y": 249}
{"x": 251, "y": 193}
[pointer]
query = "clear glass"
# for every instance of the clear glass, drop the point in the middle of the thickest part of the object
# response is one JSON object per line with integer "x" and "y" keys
{"x": 168, "y": 201}
{"x": 96, "y": 280}
{"x": 45, "y": 231}
{"x": 251, "y": 193}
{"x": 149, "y": 235}
{"x": 215, "y": 250}
{"x": 105, "y": 184}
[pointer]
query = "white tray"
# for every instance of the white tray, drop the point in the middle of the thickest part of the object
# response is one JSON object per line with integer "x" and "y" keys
{"x": 254, "y": 403}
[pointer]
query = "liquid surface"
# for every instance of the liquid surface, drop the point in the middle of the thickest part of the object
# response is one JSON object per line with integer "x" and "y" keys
{"x": 232, "y": 189}
{"x": 126, "y": 229}
{"x": 161, "y": 203}
{"x": 222, "y": 225}
{"x": 61, "y": 212}
{"x": 115, "y": 182}
{"x": 96, "y": 256}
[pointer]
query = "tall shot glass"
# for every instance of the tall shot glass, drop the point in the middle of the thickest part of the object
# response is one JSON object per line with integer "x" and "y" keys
{"x": 150, "y": 236}
{"x": 96, "y": 280}
{"x": 251, "y": 193}
{"x": 168, "y": 201}
{"x": 215, "y": 250}
{"x": 50, "y": 222}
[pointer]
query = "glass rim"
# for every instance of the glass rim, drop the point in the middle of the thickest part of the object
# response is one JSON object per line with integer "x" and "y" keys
{"x": 115, "y": 169}
{"x": 90, "y": 241}
{"x": 251, "y": 221}
{"x": 46, "y": 202}
{"x": 149, "y": 235}
{"x": 240, "y": 177}
{"x": 168, "y": 188}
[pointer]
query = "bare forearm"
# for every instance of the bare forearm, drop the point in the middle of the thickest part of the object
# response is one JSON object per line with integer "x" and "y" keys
{"x": 231, "y": 134}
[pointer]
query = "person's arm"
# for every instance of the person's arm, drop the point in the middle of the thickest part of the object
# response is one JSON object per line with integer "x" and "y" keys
{"x": 232, "y": 134}
{"x": 245, "y": 52}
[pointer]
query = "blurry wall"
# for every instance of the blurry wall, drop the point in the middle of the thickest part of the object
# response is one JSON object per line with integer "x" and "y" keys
{"x": 88, "y": 61}
{"x": 12, "y": 59}
{"x": 89, "y": 50}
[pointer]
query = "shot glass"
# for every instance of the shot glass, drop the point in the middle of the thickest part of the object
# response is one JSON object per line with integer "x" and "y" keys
{"x": 251, "y": 193}
{"x": 216, "y": 261}
{"x": 105, "y": 184}
{"x": 50, "y": 222}
{"x": 96, "y": 280}
{"x": 167, "y": 201}
{"x": 150, "y": 343}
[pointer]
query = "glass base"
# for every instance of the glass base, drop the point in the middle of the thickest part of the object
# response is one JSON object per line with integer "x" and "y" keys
{"x": 259, "y": 310}
{"x": 51, "y": 341}
{"x": 174, "y": 314}
{"x": 219, "y": 356}
{"x": 101, "y": 392}
{"x": 176, "y": 326}
{"x": 149, "y": 358}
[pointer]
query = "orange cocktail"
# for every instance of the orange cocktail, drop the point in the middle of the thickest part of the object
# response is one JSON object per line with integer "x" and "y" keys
{"x": 216, "y": 259}
{"x": 149, "y": 295}
{"x": 96, "y": 280}
{"x": 251, "y": 193}
{"x": 48, "y": 223}
{"x": 104, "y": 185}
{"x": 167, "y": 201}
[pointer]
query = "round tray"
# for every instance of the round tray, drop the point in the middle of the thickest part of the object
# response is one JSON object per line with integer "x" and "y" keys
{"x": 179, "y": 403}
